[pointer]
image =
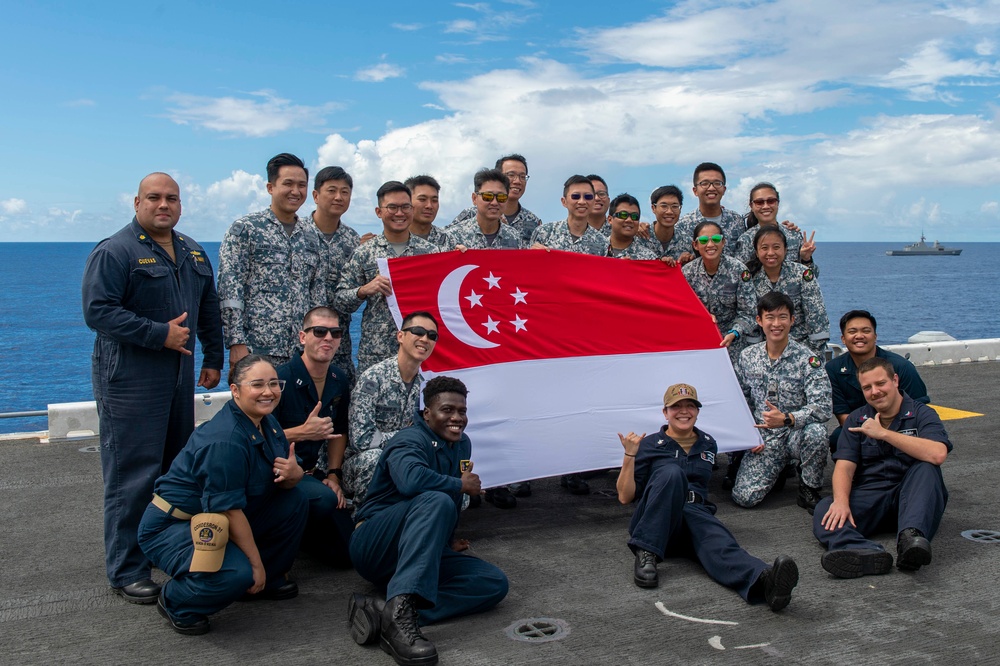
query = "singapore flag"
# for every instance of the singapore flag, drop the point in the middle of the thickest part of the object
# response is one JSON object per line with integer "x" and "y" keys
{"x": 562, "y": 351}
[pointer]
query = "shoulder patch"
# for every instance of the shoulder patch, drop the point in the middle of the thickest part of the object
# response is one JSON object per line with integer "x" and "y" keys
{"x": 708, "y": 456}
{"x": 807, "y": 275}
{"x": 745, "y": 276}
{"x": 368, "y": 386}
{"x": 814, "y": 361}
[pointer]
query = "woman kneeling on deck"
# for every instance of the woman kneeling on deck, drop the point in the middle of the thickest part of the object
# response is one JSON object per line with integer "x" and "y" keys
{"x": 233, "y": 481}
{"x": 667, "y": 475}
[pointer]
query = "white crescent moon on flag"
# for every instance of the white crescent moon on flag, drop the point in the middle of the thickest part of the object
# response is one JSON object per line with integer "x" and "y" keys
{"x": 450, "y": 309}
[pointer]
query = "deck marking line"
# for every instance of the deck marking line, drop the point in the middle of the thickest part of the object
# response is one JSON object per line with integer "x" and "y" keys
{"x": 669, "y": 613}
{"x": 949, "y": 414}
{"x": 748, "y": 647}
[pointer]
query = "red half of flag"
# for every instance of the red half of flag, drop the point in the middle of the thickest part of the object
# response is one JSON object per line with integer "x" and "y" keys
{"x": 517, "y": 305}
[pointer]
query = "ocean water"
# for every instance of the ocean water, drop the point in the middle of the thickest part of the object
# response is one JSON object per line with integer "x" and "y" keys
{"x": 45, "y": 355}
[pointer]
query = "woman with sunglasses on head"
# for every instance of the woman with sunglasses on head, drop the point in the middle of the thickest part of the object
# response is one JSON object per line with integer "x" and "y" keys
{"x": 236, "y": 478}
{"x": 769, "y": 271}
{"x": 715, "y": 277}
{"x": 764, "y": 202}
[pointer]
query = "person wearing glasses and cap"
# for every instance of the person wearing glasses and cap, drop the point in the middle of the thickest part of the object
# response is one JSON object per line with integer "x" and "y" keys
{"x": 313, "y": 414}
{"x": 574, "y": 234}
{"x": 385, "y": 400}
{"x": 716, "y": 279}
{"x": 360, "y": 281}
{"x": 666, "y": 474}
{"x": 237, "y": 475}
{"x": 623, "y": 220}
{"x": 486, "y": 230}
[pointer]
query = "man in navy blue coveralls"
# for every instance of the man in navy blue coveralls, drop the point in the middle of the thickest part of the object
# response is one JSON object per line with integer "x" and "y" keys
{"x": 403, "y": 540}
{"x": 887, "y": 476}
{"x": 313, "y": 413}
{"x": 144, "y": 290}
{"x": 667, "y": 475}
{"x": 858, "y": 332}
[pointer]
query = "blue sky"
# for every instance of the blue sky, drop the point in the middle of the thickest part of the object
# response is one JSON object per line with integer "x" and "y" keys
{"x": 875, "y": 120}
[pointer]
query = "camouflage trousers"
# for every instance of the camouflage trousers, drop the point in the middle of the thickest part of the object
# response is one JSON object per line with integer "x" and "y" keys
{"x": 759, "y": 471}
{"x": 358, "y": 471}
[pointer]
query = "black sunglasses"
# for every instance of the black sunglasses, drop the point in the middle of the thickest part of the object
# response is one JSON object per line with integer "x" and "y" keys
{"x": 420, "y": 332}
{"x": 321, "y": 331}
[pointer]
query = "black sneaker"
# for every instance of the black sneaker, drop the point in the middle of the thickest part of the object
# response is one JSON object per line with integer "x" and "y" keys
{"x": 779, "y": 581}
{"x": 913, "y": 550}
{"x": 857, "y": 562}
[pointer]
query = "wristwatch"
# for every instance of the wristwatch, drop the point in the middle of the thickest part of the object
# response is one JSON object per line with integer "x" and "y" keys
{"x": 788, "y": 420}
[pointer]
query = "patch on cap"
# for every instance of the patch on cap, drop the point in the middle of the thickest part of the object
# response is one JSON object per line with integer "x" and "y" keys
{"x": 678, "y": 392}
{"x": 210, "y": 534}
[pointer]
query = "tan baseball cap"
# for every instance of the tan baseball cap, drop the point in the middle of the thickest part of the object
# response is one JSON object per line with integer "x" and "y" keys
{"x": 678, "y": 392}
{"x": 210, "y": 534}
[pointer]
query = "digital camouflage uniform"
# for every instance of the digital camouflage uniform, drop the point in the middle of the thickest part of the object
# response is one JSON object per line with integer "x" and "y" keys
{"x": 556, "y": 236}
{"x": 795, "y": 383}
{"x": 605, "y": 229}
{"x": 732, "y": 226}
{"x": 811, "y": 326}
{"x": 525, "y": 222}
{"x": 437, "y": 236}
{"x": 793, "y": 246}
{"x": 471, "y": 236}
{"x": 381, "y": 404}
{"x": 267, "y": 282}
{"x": 336, "y": 252}
{"x": 675, "y": 247}
{"x": 718, "y": 294}
{"x": 378, "y": 330}
{"x": 636, "y": 250}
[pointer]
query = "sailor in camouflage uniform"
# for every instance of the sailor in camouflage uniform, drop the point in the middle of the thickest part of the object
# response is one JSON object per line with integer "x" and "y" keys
{"x": 598, "y": 218}
{"x": 666, "y": 204}
{"x": 486, "y": 231}
{"x": 770, "y": 272}
{"x": 624, "y": 222}
{"x": 360, "y": 281}
{"x": 425, "y": 193}
{"x": 573, "y": 234}
{"x": 764, "y": 201}
{"x": 332, "y": 194}
{"x": 385, "y": 400}
{"x": 515, "y": 167}
{"x": 788, "y": 391}
{"x": 715, "y": 278}
{"x": 271, "y": 270}
{"x": 710, "y": 187}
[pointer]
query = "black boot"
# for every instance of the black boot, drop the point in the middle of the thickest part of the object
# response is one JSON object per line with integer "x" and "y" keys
{"x": 365, "y": 616}
{"x": 808, "y": 497}
{"x": 644, "y": 571}
{"x": 913, "y": 550}
{"x": 401, "y": 636}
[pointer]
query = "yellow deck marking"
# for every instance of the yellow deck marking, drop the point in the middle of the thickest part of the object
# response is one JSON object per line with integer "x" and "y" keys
{"x": 949, "y": 414}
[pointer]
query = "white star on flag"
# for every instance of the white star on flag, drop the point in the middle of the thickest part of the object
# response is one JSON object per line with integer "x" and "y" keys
{"x": 491, "y": 325}
{"x": 494, "y": 281}
{"x": 519, "y": 323}
{"x": 519, "y": 296}
{"x": 474, "y": 299}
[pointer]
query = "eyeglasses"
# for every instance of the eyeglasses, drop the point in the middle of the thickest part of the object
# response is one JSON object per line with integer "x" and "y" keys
{"x": 666, "y": 206}
{"x": 420, "y": 332}
{"x": 394, "y": 208}
{"x": 576, "y": 196}
{"x": 513, "y": 175}
{"x": 601, "y": 194}
{"x": 322, "y": 331}
{"x": 715, "y": 238}
{"x": 770, "y": 201}
{"x": 705, "y": 184}
{"x": 489, "y": 196}
{"x": 277, "y": 385}
{"x": 624, "y": 215}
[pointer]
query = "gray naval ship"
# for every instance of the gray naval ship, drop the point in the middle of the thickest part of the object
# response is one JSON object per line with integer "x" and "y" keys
{"x": 922, "y": 249}
{"x": 572, "y": 600}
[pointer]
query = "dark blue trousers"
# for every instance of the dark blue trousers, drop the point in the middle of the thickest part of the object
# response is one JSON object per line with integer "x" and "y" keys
{"x": 918, "y": 501}
{"x": 145, "y": 402}
{"x": 406, "y": 549}
{"x": 666, "y": 525}
{"x": 277, "y": 526}
{"x": 329, "y": 529}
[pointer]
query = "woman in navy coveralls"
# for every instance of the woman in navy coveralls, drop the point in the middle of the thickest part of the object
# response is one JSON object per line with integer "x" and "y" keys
{"x": 667, "y": 475}
{"x": 239, "y": 464}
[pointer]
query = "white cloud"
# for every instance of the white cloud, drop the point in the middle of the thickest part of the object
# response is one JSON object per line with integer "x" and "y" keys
{"x": 990, "y": 208}
{"x": 14, "y": 206}
{"x": 260, "y": 114}
{"x": 379, "y": 72}
{"x": 82, "y": 102}
{"x": 460, "y": 25}
{"x": 451, "y": 59}
{"x": 408, "y": 27}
